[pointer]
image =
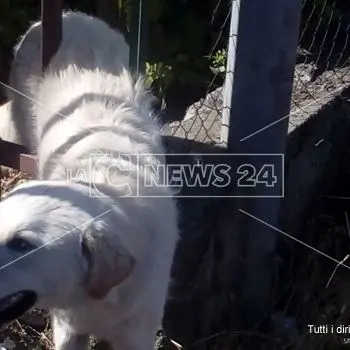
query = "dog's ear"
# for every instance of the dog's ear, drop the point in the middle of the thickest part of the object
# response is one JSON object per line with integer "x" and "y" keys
{"x": 109, "y": 263}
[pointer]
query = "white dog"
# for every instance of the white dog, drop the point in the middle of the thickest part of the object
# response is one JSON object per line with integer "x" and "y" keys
{"x": 97, "y": 251}
{"x": 27, "y": 62}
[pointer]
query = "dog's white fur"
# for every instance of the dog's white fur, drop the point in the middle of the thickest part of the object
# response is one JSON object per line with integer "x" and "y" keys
{"x": 27, "y": 62}
{"x": 8, "y": 128}
{"x": 104, "y": 266}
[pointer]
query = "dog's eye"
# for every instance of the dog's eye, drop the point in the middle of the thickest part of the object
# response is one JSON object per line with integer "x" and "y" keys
{"x": 20, "y": 245}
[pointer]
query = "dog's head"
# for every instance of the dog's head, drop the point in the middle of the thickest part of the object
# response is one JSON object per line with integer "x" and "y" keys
{"x": 58, "y": 246}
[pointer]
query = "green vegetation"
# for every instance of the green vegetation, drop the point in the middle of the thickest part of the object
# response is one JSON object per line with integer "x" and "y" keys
{"x": 159, "y": 76}
{"x": 186, "y": 45}
{"x": 180, "y": 36}
{"x": 218, "y": 62}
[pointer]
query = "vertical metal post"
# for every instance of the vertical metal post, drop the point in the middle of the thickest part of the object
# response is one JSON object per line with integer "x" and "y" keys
{"x": 259, "y": 101}
{"x": 230, "y": 66}
{"x": 51, "y": 35}
{"x": 138, "y": 36}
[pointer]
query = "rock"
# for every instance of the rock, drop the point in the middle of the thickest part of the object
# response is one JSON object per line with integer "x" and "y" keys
{"x": 202, "y": 122}
{"x": 213, "y": 101}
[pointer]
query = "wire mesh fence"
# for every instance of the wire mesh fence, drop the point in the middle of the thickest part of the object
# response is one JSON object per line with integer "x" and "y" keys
{"x": 321, "y": 75}
{"x": 323, "y": 59}
{"x": 322, "y": 71}
{"x": 202, "y": 120}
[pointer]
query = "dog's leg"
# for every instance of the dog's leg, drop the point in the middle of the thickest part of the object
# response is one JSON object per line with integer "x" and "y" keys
{"x": 65, "y": 340}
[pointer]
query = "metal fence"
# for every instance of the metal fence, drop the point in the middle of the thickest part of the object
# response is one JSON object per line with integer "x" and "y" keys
{"x": 322, "y": 70}
{"x": 250, "y": 113}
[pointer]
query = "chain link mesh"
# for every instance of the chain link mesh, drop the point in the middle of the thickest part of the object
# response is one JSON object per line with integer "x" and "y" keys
{"x": 322, "y": 72}
{"x": 322, "y": 69}
{"x": 202, "y": 120}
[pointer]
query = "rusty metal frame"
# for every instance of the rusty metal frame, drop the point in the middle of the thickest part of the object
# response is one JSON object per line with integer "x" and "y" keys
{"x": 14, "y": 155}
{"x": 17, "y": 156}
{"x": 51, "y": 36}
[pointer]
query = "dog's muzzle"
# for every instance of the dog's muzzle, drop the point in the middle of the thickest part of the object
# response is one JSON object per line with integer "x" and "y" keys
{"x": 15, "y": 305}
